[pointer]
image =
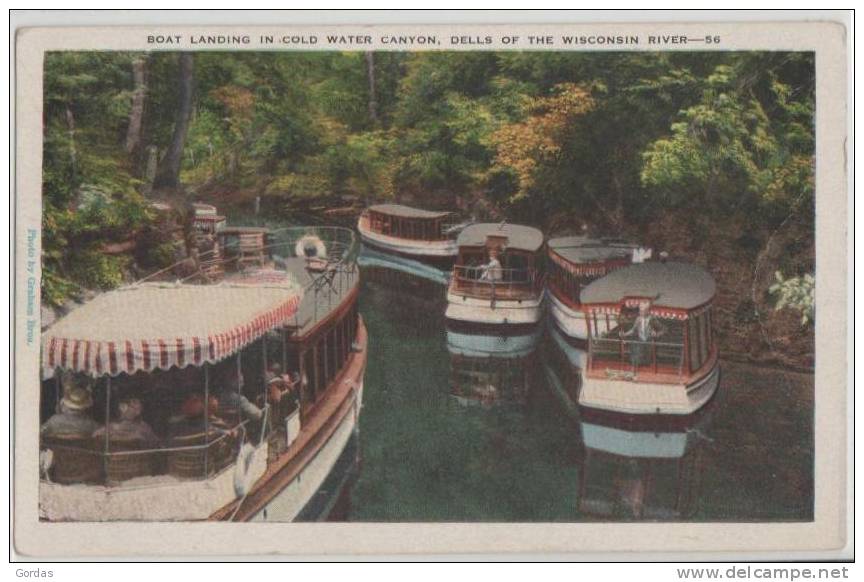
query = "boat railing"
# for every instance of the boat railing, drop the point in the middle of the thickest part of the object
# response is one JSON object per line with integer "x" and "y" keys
{"x": 339, "y": 245}
{"x": 496, "y": 282}
{"x": 129, "y": 463}
{"x": 621, "y": 357}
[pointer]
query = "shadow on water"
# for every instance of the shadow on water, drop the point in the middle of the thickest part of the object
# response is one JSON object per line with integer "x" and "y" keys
{"x": 427, "y": 456}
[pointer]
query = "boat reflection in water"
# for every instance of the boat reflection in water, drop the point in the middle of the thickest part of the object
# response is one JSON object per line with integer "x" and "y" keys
{"x": 633, "y": 467}
{"x": 638, "y": 471}
{"x": 488, "y": 367}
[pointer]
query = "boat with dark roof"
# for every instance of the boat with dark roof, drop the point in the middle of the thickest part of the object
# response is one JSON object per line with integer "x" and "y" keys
{"x": 498, "y": 280}
{"x": 573, "y": 263}
{"x": 651, "y": 349}
{"x": 425, "y": 236}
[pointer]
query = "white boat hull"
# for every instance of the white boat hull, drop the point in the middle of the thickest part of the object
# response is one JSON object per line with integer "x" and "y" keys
{"x": 634, "y": 397}
{"x": 512, "y": 312}
{"x": 294, "y": 497}
{"x": 500, "y": 346}
{"x": 570, "y": 321}
{"x": 145, "y": 498}
{"x": 418, "y": 248}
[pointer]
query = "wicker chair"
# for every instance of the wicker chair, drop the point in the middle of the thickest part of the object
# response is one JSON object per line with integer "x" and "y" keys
{"x": 76, "y": 459}
{"x": 190, "y": 463}
{"x": 122, "y": 467}
{"x": 251, "y": 248}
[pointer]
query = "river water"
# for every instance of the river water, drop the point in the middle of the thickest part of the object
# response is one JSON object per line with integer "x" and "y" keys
{"x": 427, "y": 456}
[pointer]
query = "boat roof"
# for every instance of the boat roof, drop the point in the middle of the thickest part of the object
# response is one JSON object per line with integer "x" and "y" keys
{"x": 408, "y": 212}
{"x": 161, "y": 325}
{"x": 582, "y": 249}
{"x": 519, "y": 237}
{"x": 672, "y": 284}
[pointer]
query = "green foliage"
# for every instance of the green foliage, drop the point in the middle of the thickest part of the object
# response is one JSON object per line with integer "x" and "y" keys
{"x": 616, "y": 140}
{"x": 798, "y": 293}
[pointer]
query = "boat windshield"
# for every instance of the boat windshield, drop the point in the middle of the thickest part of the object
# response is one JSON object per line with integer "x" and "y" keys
{"x": 629, "y": 342}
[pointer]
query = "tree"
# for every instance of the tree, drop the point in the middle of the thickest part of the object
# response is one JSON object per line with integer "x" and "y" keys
{"x": 168, "y": 175}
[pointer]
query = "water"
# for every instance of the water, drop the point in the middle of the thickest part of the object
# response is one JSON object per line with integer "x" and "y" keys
{"x": 426, "y": 457}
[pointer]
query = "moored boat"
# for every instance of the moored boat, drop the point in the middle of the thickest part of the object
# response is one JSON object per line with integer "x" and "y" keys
{"x": 651, "y": 349}
{"x": 498, "y": 279}
{"x": 411, "y": 233}
{"x": 209, "y": 398}
{"x": 574, "y": 262}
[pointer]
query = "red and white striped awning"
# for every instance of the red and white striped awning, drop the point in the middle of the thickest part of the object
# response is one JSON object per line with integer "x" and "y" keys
{"x": 158, "y": 326}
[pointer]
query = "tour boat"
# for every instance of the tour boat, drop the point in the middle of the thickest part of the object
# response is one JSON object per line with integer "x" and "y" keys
{"x": 498, "y": 278}
{"x": 574, "y": 262}
{"x": 636, "y": 473}
{"x": 424, "y": 236}
{"x": 248, "y": 387}
{"x": 650, "y": 345}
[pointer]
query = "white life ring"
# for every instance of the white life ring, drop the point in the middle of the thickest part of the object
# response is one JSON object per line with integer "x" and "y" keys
{"x": 243, "y": 470}
{"x": 310, "y": 247}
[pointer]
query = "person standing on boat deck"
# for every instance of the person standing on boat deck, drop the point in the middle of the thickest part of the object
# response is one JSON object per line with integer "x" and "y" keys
{"x": 645, "y": 328}
{"x": 492, "y": 270}
{"x": 74, "y": 418}
{"x": 233, "y": 397}
{"x": 130, "y": 427}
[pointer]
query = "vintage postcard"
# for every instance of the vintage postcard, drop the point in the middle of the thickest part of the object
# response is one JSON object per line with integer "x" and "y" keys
{"x": 325, "y": 289}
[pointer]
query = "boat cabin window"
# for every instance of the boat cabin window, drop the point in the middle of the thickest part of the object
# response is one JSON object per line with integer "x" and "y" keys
{"x": 324, "y": 357}
{"x": 631, "y": 341}
{"x": 416, "y": 228}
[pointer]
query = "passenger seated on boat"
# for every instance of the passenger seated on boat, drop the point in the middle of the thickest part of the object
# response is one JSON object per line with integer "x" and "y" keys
{"x": 125, "y": 437}
{"x": 645, "y": 328}
{"x": 74, "y": 418}
{"x": 71, "y": 455}
{"x": 131, "y": 427}
{"x": 193, "y": 420}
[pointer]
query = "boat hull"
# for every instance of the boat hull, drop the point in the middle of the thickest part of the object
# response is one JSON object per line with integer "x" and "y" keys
{"x": 293, "y": 479}
{"x": 570, "y": 321}
{"x": 643, "y": 398}
{"x": 498, "y": 312}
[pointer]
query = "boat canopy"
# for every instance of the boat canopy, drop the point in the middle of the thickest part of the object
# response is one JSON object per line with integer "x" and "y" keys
{"x": 408, "y": 212}
{"x": 158, "y": 326}
{"x": 582, "y": 249}
{"x": 518, "y": 237}
{"x": 677, "y": 286}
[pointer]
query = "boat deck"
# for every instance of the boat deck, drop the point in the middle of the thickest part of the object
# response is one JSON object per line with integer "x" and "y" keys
{"x": 325, "y": 290}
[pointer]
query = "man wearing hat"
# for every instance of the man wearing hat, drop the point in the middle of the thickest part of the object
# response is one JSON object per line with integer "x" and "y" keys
{"x": 74, "y": 418}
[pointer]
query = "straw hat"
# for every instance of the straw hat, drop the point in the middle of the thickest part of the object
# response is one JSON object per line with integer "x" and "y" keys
{"x": 77, "y": 398}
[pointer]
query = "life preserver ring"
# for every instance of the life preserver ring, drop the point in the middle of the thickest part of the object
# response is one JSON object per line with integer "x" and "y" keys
{"x": 310, "y": 247}
{"x": 243, "y": 470}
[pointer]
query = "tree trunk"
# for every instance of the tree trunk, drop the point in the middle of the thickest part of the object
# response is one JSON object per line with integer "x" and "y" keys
{"x": 370, "y": 72}
{"x": 168, "y": 175}
{"x": 136, "y": 114}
